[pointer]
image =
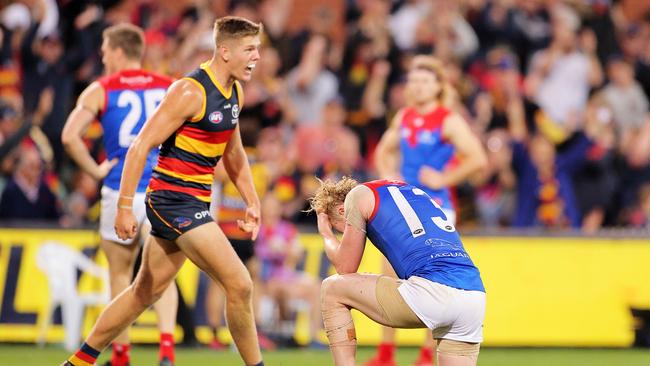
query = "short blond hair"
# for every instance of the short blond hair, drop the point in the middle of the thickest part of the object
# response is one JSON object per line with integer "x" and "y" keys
{"x": 331, "y": 194}
{"x": 232, "y": 27}
{"x": 435, "y": 66}
{"x": 127, "y": 37}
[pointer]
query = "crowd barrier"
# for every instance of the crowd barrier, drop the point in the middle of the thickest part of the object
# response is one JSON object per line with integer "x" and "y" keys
{"x": 541, "y": 291}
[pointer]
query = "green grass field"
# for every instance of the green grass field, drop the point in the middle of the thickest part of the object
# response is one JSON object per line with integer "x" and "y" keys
{"x": 23, "y": 355}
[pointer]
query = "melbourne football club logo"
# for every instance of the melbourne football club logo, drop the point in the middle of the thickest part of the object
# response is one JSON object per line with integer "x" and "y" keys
{"x": 235, "y": 111}
{"x": 182, "y": 222}
{"x": 215, "y": 117}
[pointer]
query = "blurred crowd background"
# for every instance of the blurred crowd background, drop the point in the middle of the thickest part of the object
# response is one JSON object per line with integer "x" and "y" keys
{"x": 546, "y": 74}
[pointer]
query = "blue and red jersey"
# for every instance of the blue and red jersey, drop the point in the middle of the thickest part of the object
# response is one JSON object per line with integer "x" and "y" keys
{"x": 130, "y": 98}
{"x": 413, "y": 233}
{"x": 422, "y": 144}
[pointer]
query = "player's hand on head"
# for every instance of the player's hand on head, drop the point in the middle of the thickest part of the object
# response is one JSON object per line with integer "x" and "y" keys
{"x": 251, "y": 224}
{"x": 324, "y": 224}
{"x": 431, "y": 178}
{"x": 105, "y": 167}
{"x": 126, "y": 226}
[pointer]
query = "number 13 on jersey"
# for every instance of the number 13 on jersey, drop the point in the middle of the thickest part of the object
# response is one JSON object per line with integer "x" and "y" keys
{"x": 410, "y": 216}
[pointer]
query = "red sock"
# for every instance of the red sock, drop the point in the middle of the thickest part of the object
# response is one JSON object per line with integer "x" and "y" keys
{"x": 426, "y": 354}
{"x": 121, "y": 354}
{"x": 166, "y": 346}
{"x": 386, "y": 351}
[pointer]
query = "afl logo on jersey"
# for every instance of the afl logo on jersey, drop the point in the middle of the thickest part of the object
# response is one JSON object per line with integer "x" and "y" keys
{"x": 215, "y": 117}
{"x": 235, "y": 111}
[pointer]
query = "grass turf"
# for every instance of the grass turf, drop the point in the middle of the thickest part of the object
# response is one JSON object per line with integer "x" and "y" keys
{"x": 26, "y": 355}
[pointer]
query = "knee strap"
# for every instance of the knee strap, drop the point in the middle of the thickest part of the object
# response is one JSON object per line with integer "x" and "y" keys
{"x": 396, "y": 312}
{"x": 339, "y": 327}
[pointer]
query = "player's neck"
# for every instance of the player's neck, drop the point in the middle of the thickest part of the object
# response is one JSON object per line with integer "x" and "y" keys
{"x": 221, "y": 73}
{"x": 128, "y": 65}
{"x": 427, "y": 107}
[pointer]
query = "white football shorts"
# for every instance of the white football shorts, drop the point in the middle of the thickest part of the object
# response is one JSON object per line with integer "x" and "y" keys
{"x": 109, "y": 210}
{"x": 449, "y": 312}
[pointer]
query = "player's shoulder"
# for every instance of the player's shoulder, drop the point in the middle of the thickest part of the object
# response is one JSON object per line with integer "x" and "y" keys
{"x": 363, "y": 198}
{"x": 401, "y": 115}
{"x": 450, "y": 118}
{"x": 187, "y": 86}
{"x": 359, "y": 192}
{"x": 187, "y": 94}
{"x": 96, "y": 87}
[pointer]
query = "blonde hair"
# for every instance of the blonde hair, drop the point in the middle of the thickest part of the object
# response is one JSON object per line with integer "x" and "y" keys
{"x": 331, "y": 194}
{"x": 434, "y": 65}
{"x": 232, "y": 27}
{"x": 128, "y": 37}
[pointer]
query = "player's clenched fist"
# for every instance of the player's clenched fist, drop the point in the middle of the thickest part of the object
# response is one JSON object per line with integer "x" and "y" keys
{"x": 126, "y": 226}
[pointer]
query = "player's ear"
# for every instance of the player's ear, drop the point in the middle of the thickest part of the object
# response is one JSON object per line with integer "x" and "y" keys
{"x": 340, "y": 209}
{"x": 224, "y": 53}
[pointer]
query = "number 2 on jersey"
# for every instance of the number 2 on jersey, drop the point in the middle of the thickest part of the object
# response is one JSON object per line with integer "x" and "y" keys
{"x": 131, "y": 99}
{"x": 412, "y": 219}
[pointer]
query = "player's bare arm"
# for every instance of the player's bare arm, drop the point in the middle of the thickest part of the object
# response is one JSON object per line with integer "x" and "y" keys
{"x": 183, "y": 101}
{"x": 345, "y": 255}
{"x": 89, "y": 104}
{"x": 387, "y": 154}
{"x": 469, "y": 150}
{"x": 239, "y": 172}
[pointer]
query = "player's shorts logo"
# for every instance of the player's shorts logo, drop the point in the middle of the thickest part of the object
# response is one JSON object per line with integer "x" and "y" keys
{"x": 201, "y": 215}
{"x": 182, "y": 222}
{"x": 215, "y": 117}
{"x": 235, "y": 111}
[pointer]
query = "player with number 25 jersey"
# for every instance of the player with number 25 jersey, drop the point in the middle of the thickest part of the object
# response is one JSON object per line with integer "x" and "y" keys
{"x": 131, "y": 96}
{"x": 122, "y": 101}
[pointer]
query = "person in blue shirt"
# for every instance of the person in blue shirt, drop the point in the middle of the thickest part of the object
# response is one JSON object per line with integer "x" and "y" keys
{"x": 438, "y": 286}
{"x": 545, "y": 192}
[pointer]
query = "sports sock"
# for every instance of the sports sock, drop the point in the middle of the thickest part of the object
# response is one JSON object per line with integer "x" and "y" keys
{"x": 166, "y": 346}
{"x": 426, "y": 354}
{"x": 85, "y": 356}
{"x": 386, "y": 351}
{"x": 121, "y": 354}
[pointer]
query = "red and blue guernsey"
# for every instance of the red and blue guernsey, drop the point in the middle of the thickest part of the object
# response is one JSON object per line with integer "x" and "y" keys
{"x": 422, "y": 144}
{"x": 130, "y": 98}
{"x": 413, "y": 233}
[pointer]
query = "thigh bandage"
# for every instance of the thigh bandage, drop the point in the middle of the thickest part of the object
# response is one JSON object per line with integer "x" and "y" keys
{"x": 396, "y": 311}
{"x": 457, "y": 348}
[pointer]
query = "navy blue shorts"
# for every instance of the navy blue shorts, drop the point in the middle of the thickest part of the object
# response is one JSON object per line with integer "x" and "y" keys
{"x": 174, "y": 213}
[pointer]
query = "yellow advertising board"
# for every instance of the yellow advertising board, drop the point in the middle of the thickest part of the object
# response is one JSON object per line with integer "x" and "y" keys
{"x": 540, "y": 291}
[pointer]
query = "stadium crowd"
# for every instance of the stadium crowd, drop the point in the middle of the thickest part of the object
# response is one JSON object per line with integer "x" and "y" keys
{"x": 557, "y": 91}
